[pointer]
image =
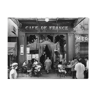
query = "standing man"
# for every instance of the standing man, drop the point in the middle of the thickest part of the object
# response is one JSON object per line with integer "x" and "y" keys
{"x": 80, "y": 68}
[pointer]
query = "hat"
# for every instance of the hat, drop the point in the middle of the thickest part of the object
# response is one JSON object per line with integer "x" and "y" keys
{"x": 14, "y": 64}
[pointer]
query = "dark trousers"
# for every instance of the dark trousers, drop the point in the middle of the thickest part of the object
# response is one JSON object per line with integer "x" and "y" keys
{"x": 73, "y": 74}
{"x": 86, "y": 74}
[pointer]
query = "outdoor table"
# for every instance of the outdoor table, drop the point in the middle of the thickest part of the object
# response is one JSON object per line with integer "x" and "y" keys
{"x": 69, "y": 69}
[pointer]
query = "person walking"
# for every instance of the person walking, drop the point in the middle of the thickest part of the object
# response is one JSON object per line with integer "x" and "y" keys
{"x": 48, "y": 64}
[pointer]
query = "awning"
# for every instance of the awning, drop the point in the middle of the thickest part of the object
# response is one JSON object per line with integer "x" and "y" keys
{"x": 12, "y": 48}
{"x": 12, "y": 29}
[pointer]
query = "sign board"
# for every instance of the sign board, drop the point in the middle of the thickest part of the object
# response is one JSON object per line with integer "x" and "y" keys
{"x": 29, "y": 57}
{"x": 28, "y": 50}
{"x": 46, "y": 27}
{"x": 21, "y": 49}
{"x": 36, "y": 56}
{"x": 81, "y": 38}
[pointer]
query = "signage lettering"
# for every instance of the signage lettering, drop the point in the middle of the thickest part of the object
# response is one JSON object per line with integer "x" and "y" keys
{"x": 46, "y": 27}
{"x": 80, "y": 38}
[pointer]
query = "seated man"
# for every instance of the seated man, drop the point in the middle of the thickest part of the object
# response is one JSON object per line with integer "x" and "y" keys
{"x": 80, "y": 68}
{"x": 35, "y": 62}
{"x": 61, "y": 69}
{"x": 38, "y": 68}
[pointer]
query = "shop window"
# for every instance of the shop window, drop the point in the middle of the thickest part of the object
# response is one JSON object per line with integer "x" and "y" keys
{"x": 61, "y": 46}
{"x": 32, "y": 48}
{"x": 12, "y": 39}
{"x": 83, "y": 49}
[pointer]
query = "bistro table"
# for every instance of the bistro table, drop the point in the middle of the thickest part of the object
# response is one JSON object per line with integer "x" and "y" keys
{"x": 69, "y": 68}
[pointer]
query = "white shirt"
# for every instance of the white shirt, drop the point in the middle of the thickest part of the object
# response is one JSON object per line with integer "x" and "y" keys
{"x": 61, "y": 68}
{"x": 79, "y": 67}
{"x": 87, "y": 64}
{"x": 13, "y": 74}
{"x": 38, "y": 67}
{"x": 24, "y": 64}
{"x": 35, "y": 63}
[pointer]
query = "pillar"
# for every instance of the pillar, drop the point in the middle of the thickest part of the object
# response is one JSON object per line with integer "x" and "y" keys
{"x": 71, "y": 46}
{"x": 22, "y": 42}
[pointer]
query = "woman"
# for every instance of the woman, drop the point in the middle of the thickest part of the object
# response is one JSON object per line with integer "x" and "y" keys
{"x": 48, "y": 64}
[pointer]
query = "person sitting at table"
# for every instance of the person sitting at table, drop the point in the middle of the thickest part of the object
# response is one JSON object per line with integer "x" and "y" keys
{"x": 61, "y": 69}
{"x": 80, "y": 68}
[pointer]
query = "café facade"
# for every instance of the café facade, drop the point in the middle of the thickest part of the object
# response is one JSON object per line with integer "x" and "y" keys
{"x": 12, "y": 42}
{"x": 53, "y": 29}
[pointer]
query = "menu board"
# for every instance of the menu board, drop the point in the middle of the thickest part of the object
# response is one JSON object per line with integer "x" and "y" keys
{"x": 28, "y": 50}
{"x": 21, "y": 49}
{"x": 36, "y": 56}
{"x": 29, "y": 56}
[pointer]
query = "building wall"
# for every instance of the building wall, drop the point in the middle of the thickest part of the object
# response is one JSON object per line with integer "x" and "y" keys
{"x": 82, "y": 32}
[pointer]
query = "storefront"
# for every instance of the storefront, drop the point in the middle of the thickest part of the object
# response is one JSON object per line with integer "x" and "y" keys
{"x": 58, "y": 34}
{"x": 81, "y": 45}
{"x": 12, "y": 42}
{"x": 82, "y": 39}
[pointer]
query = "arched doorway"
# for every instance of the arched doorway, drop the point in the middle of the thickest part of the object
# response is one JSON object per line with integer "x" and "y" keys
{"x": 46, "y": 42}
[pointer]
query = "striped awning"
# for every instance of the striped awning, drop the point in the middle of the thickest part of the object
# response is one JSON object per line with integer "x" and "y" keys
{"x": 12, "y": 48}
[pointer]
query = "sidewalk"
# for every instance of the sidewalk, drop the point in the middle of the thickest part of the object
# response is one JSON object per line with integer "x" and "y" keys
{"x": 44, "y": 76}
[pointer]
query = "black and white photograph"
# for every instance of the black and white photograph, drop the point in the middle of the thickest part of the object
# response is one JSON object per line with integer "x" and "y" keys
{"x": 48, "y": 48}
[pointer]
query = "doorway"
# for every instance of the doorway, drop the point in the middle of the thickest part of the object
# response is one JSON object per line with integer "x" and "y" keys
{"x": 41, "y": 46}
{"x": 46, "y": 46}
